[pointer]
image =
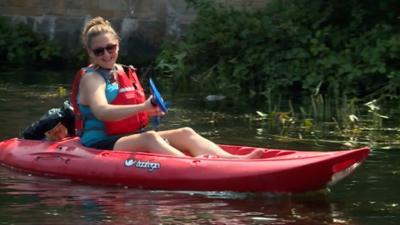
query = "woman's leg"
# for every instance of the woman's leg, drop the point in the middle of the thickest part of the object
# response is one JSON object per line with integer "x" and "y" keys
{"x": 187, "y": 139}
{"x": 148, "y": 141}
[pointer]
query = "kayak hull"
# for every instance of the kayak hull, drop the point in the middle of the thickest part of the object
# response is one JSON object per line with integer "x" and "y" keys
{"x": 278, "y": 171}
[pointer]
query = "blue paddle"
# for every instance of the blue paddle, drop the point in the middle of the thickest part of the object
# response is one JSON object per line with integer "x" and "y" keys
{"x": 157, "y": 100}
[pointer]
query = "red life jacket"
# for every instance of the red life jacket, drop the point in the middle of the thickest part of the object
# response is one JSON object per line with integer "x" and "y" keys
{"x": 130, "y": 92}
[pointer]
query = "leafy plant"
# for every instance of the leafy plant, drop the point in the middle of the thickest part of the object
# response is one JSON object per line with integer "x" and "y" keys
{"x": 349, "y": 49}
{"x": 20, "y": 45}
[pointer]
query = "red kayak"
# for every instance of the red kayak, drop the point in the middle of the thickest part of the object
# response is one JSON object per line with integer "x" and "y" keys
{"x": 277, "y": 171}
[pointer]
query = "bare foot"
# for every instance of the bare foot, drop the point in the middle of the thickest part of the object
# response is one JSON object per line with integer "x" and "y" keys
{"x": 207, "y": 156}
{"x": 255, "y": 154}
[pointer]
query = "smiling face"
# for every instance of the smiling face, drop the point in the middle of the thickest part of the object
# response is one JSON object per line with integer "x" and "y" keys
{"x": 103, "y": 50}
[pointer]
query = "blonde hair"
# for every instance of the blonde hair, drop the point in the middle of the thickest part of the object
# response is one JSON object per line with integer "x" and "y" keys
{"x": 95, "y": 27}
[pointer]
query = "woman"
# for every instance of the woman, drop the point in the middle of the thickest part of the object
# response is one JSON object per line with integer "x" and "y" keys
{"x": 101, "y": 84}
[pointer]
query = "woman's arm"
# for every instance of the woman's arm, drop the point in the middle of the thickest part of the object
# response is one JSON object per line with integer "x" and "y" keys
{"x": 92, "y": 93}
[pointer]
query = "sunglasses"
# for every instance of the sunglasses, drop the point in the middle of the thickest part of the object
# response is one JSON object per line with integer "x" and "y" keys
{"x": 111, "y": 48}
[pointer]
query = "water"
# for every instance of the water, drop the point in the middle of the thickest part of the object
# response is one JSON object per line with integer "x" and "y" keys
{"x": 369, "y": 196}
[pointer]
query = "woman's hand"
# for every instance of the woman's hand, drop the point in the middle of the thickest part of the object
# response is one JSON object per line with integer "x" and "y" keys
{"x": 152, "y": 109}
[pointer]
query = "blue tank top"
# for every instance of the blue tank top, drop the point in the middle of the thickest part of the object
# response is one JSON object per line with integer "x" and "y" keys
{"x": 93, "y": 129}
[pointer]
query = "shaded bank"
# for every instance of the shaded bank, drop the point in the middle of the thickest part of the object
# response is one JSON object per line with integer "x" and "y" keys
{"x": 338, "y": 55}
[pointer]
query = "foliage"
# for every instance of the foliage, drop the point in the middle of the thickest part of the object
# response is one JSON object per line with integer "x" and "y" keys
{"x": 20, "y": 45}
{"x": 339, "y": 50}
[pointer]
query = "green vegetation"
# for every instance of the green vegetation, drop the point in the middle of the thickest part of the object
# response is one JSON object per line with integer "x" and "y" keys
{"x": 20, "y": 45}
{"x": 334, "y": 55}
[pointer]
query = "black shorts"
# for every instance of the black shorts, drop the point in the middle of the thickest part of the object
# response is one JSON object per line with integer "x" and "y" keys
{"x": 109, "y": 142}
{"x": 106, "y": 144}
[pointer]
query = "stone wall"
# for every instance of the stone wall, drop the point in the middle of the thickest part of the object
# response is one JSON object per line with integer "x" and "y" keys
{"x": 142, "y": 24}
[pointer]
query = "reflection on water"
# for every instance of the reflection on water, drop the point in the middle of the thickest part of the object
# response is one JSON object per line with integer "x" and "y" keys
{"x": 50, "y": 201}
{"x": 26, "y": 95}
{"x": 370, "y": 196}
